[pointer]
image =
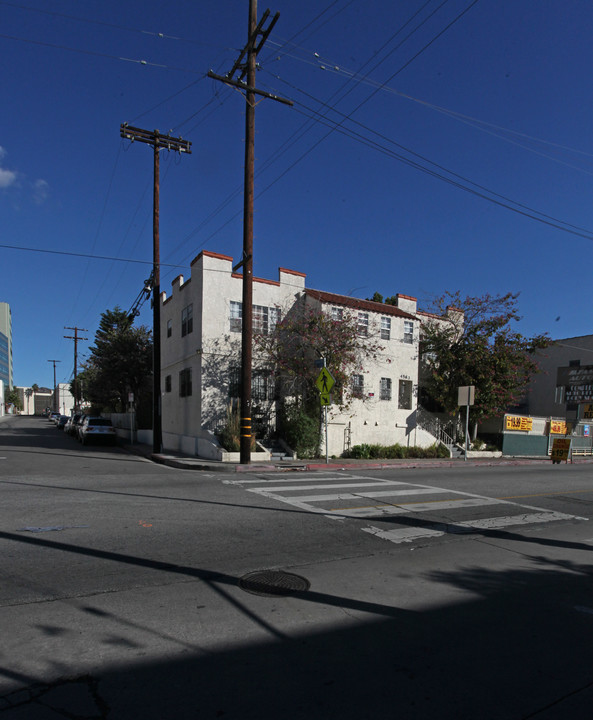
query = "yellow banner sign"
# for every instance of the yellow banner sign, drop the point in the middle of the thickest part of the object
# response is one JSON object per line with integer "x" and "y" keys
{"x": 559, "y": 427}
{"x": 588, "y": 412}
{"x": 515, "y": 422}
{"x": 560, "y": 450}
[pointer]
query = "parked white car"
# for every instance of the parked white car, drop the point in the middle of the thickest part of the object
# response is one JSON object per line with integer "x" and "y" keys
{"x": 97, "y": 429}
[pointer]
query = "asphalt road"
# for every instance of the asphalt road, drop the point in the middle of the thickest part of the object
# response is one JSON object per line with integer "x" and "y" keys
{"x": 452, "y": 592}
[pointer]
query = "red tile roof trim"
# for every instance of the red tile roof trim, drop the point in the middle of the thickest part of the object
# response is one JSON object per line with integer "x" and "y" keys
{"x": 292, "y": 272}
{"x": 358, "y": 304}
{"x": 238, "y": 276}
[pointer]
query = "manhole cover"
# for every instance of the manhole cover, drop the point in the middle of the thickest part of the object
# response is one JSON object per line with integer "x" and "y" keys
{"x": 273, "y": 582}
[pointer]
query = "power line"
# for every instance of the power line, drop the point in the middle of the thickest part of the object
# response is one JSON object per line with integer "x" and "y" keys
{"x": 98, "y": 54}
{"x": 87, "y": 255}
{"x": 92, "y": 21}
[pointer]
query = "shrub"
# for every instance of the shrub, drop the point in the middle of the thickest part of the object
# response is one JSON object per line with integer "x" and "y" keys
{"x": 230, "y": 435}
{"x": 390, "y": 452}
{"x": 300, "y": 431}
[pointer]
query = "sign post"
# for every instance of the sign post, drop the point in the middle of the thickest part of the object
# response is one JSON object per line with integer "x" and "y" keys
{"x": 465, "y": 396}
{"x": 325, "y": 383}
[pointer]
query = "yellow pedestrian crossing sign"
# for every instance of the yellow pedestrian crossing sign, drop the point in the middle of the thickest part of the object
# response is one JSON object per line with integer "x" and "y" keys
{"x": 325, "y": 382}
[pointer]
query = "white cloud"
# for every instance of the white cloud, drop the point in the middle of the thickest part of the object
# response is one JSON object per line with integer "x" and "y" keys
{"x": 7, "y": 177}
{"x": 40, "y": 191}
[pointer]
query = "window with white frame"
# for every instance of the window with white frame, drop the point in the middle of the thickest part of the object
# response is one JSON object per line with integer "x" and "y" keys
{"x": 337, "y": 314}
{"x": 274, "y": 317}
{"x": 408, "y": 331}
{"x": 236, "y": 316}
{"x": 405, "y": 395}
{"x": 385, "y": 328}
{"x": 363, "y": 324}
{"x": 357, "y": 386}
{"x": 185, "y": 388}
{"x": 385, "y": 389}
{"x": 187, "y": 320}
{"x": 260, "y": 319}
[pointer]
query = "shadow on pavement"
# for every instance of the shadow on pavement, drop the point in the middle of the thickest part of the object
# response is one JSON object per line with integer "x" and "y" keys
{"x": 518, "y": 645}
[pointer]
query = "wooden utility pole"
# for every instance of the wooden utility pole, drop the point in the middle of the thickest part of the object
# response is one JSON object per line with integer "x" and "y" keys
{"x": 55, "y": 394}
{"x": 76, "y": 338}
{"x": 256, "y": 32}
{"x": 158, "y": 142}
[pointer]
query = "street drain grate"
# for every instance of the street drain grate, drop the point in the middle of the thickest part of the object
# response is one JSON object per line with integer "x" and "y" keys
{"x": 273, "y": 582}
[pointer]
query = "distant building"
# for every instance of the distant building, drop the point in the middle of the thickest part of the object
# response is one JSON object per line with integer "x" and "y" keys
{"x": 6, "y": 345}
{"x": 546, "y": 394}
{"x": 201, "y": 355}
{"x": 34, "y": 402}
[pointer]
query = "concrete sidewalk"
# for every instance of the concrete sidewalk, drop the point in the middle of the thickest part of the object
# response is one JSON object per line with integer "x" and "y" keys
{"x": 188, "y": 462}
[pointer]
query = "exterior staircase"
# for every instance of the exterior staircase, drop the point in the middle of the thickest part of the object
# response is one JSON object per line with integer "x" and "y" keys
{"x": 442, "y": 431}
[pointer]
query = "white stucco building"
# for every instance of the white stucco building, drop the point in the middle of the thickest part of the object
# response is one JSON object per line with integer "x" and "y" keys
{"x": 200, "y": 358}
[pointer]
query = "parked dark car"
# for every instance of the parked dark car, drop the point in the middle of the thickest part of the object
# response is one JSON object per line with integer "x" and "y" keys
{"x": 97, "y": 429}
{"x": 71, "y": 425}
{"x": 61, "y": 422}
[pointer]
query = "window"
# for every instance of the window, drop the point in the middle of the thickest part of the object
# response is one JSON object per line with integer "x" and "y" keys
{"x": 385, "y": 328}
{"x": 236, "y": 316}
{"x": 385, "y": 389}
{"x": 405, "y": 395}
{"x": 185, "y": 383}
{"x": 235, "y": 382}
{"x": 274, "y": 316}
{"x": 560, "y": 395}
{"x": 408, "y": 331}
{"x": 337, "y": 314}
{"x": 169, "y": 328}
{"x": 357, "y": 386}
{"x": 168, "y": 383}
{"x": 187, "y": 321}
{"x": 260, "y": 319}
{"x": 261, "y": 386}
{"x": 363, "y": 323}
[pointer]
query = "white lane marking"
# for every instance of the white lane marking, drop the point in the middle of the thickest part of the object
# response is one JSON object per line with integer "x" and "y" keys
{"x": 286, "y": 488}
{"x": 279, "y": 478}
{"x": 416, "y": 533}
{"x": 363, "y": 496}
{"x": 414, "y": 507}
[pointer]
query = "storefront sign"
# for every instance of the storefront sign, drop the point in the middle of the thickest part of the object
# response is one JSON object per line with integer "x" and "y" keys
{"x": 560, "y": 450}
{"x": 559, "y": 427}
{"x": 588, "y": 412}
{"x": 516, "y": 422}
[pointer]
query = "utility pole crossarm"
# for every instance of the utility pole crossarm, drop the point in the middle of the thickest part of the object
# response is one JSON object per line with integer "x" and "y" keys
{"x": 242, "y": 86}
{"x": 155, "y": 138}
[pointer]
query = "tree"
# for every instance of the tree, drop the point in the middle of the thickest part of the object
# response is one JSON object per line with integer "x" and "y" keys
{"x": 308, "y": 334}
{"x": 471, "y": 342}
{"x": 12, "y": 397}
{"x": 120, "y": 362}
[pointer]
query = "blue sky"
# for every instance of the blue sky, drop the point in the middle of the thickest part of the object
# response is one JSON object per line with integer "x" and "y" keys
{"x": 492, "y": 99}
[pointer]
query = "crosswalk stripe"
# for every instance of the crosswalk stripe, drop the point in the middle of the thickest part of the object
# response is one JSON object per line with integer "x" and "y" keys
{"x": 355, "y": 496}
{"x": 408, "y": 534}
{"x": 286, "y": 488}
{"x": 405, "y": 508}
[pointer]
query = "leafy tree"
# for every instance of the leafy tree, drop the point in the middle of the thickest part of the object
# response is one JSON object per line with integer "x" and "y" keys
{"x": 307, "y": 334}
{"x": 12, "y": 397}
{"x": 120, "y": 363}
{"x": 473, "y": 343}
